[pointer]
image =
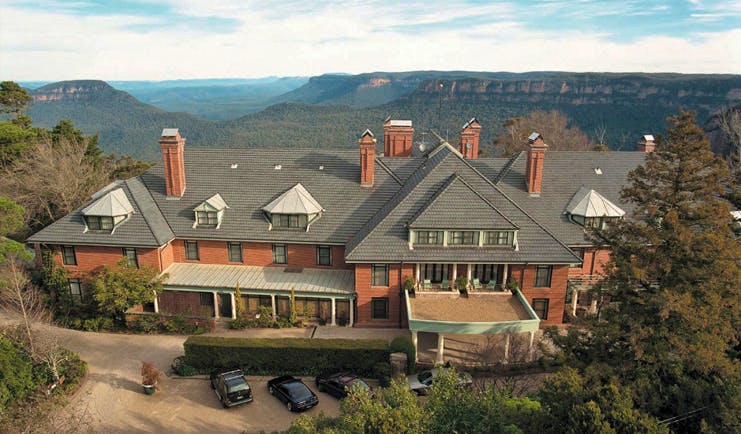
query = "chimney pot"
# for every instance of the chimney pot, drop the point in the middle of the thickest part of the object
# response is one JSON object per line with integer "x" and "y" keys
{"x": 173, "y": 150}
{"x": 646, "y": 144}
{"x": 536, "y": 148}
{"x": 397, "y": 138}
{"x": 367, "y": 158}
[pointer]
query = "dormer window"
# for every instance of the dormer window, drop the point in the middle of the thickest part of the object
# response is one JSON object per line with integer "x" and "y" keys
{"x": 110, "y": 208}
{"x": 429, "y": 238}
{"x": 210, "y": 212}
{"x": 499, "y": 238}
{"x": 457, "y": 238}
{"x": 463, "y": 238}
{"x": 296, "y": 208}
{"x": 592, "y": 210}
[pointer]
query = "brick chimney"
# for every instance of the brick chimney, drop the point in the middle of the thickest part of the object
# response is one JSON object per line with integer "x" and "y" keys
{"x": 397, "y": 138}
{"x": 536, "y": 148}
{"x": 469, "y": 146}
{"x": 173, "y": 147}
{"x": 367, "y": 158}
{"x": 646, "y": 144}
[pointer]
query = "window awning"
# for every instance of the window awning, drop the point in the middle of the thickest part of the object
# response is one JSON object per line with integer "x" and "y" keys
{"x": 296, "y": 200}
{"x": 209, "y": 277}
{"x": 588, "y": 203}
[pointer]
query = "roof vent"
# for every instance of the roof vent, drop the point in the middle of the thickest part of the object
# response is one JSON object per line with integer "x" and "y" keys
{"x": 598, "y": 170}
{"x": 234, "y": 166}
{"x": 321, "y": 167}
{"x": 278, "y": 167}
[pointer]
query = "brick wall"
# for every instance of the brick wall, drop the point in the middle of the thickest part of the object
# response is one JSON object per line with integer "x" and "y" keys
{"x": 594, "y": 262}
{"x": 91, "y": 259}
{"x": 259, "y": 254}
{"x": 556, "y": 294}
{"x": 366, "y": 292}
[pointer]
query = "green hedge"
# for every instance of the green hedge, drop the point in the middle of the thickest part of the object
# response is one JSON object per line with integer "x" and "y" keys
{"x": 286, "y": 356}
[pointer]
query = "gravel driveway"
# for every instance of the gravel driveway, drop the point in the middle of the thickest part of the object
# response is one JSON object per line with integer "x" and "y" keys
{"x": 113, "y": 401}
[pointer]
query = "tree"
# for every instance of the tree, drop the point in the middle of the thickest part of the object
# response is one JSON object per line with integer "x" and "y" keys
{"x": 239, "y": 307}
{"x": 13, "y": 98}
{"x": 11, "y": 216}
{"x": 673, "y": 281}
{"x": 16, "y": 372}
{"x": 123, "y": 286}
{"x": 554, "y": 126}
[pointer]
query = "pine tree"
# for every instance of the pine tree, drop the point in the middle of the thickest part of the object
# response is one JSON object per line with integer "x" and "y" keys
{"x": 674, "y": 277}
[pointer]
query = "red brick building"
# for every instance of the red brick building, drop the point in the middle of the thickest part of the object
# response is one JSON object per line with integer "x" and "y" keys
{"x": 360, "y": 236}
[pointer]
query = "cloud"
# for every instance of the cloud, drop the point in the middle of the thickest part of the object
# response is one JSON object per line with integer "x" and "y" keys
{"x": 255, "y": 38}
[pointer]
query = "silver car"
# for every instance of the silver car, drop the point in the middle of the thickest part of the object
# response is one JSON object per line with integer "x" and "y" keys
{"x": 421, "y": 382}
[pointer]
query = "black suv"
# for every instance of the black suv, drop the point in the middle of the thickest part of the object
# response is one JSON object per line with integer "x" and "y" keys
{"x": 231, "y": 387}
{"x": 338, "y": 385}
{"x": 292, "y": 392}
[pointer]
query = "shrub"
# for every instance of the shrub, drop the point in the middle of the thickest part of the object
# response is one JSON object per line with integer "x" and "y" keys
{"x": 403, "y": 344}
{"x": 150, "y": 374}
{"x": 286, "y": 356}
{"x": 16, "y": 373}
{"x": 382, "y": 372}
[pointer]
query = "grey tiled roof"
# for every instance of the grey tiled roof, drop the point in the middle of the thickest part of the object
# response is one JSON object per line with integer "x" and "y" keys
{"x": 564, "y": 173}
{"x": 144, "y": 228}
{"x": 385, "y": 237}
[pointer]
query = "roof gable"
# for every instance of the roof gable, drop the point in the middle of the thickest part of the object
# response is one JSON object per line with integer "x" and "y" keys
{"x": 457, "y": 205}
{"x": 111, "y": 204}
{"x": 296, "y": 200}
{"x": 213, "y": 203}
{"x": 588, "y": 203}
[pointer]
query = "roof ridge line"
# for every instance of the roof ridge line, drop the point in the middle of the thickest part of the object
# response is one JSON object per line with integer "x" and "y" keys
{"x": 146, "y": 220}
{"x": 507, "y": 166}
{"x": 388, "y": 170}
{"x": 518, "y": 206}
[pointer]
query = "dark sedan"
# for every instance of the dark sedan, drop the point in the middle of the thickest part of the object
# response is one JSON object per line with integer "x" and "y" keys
{"x": 293, "y": 393}
{"x": 338, "y": 385}
{"x": 231, "y": 387}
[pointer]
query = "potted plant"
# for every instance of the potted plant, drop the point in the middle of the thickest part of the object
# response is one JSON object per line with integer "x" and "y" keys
{"x": 512, "y": 285}
{"x": 409, "y": 284}
{"x": 150, "y": 377}
{"x": 461, "y": 283}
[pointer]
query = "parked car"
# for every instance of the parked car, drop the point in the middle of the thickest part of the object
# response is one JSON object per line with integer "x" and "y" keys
{"x": 422, "y": 381}
{"x": 293, "y": 393}
{"x": 231, "y": 387}
{"x": 339, "y": 384}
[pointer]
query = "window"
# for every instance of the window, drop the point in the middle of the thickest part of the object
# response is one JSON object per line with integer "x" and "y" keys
{"x": 68, "y": 255}
{"x": 580, "y": 254}
{"x": 280, "y": 255}
{"x": 130, "y": 254}
{"x": 324, "y": 255}
{"x": 595, "y": 222}
{"x": 464, "y": 238}
{"x": 99, "y": 223}
{"x": 191, "y": 251}
{"x": 291, "y": 221}
{"x": 235, "y": 252}
{"x": 543, "y": 276}
{"x": 540, "y": 306}
{"x": 380, "y": 308}
{"x": 75, "y": 290}
{"x": 429, "y": 237}
{"x": 499, "y": 238}
{"x": 435, "y": 273}
{"x": 379, "y": 275}
{"x": 487, "y": 273}
{"x": 207, "y": 218}
{"x": 207, "y": 299}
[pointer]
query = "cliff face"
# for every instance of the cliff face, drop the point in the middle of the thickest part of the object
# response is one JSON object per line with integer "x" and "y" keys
{"x": 700, "y": 92}
{"x": 77, "y": 90}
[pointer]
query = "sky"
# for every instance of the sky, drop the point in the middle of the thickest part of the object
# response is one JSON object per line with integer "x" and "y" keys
{"x": 182, "y": 39}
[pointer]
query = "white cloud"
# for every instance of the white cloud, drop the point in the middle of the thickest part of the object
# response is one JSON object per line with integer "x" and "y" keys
{"x": 359, "y": 37}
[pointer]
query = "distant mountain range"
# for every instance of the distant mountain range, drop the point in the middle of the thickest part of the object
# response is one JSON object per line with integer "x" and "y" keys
{"x": 332, "y": 110}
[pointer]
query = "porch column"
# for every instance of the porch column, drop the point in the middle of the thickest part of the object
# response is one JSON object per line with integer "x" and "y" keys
{"x": 440, "y": 348}
{"x": 272, "y": 304}
{"x": 504, "y": 276}
{"x": 156, "y": 304}
{"x": 455, "y": 274}
{"x": 574, "y": 300}
{"x": 414, "y": 342}
{"x": 334, "y": 312}
{"x": 530, "y": 349}
{"x": 506, "y": 348}
{"x": 352, "y": 312}
{"x": 234, "y": 305}
{"x": 468, "y": 273}
{"x": 416, "y": 273}
{"x": 593, "y": 306}
{"x": 216, "y": 304}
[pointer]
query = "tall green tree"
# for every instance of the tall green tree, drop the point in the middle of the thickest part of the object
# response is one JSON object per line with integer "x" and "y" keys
{"x": 673, "y": 280}
{"x": 13, "y": 98}
{"x": 124, "y": 286}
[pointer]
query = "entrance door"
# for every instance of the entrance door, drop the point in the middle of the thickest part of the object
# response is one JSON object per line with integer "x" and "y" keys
{"x": 225, "y": 306}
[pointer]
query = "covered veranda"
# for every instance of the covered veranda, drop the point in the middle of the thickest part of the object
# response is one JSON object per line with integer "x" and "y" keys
{"x": 504, "y": 314}
{"x": 325, "y": 294}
